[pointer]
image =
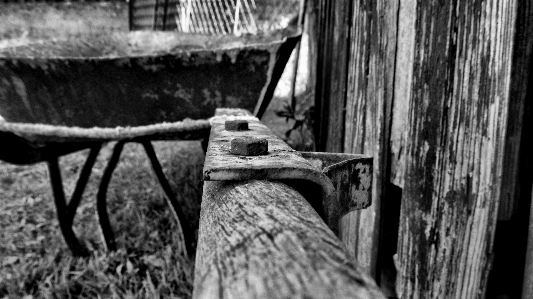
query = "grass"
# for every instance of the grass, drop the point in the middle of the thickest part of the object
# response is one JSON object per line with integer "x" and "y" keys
{"x": 35, "y": 261}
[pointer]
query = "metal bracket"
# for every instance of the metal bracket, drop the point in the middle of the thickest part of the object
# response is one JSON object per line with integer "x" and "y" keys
{"x": 314, "y": 175}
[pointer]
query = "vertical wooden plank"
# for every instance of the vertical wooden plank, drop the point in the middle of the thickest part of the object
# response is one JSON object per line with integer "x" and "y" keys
{"x": 510, "y": 243}
{"x": 368, "y": 114}
{"x": 320, "y": 88}
{"x": 521, "y": 69}
{"x": 456, "y": 131}
{"x": 332, "y": 69}
{"x": 402, "y": 89}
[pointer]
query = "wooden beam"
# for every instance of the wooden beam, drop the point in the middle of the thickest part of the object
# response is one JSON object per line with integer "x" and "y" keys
{"x": 261, "y": 239}
{"x": 456, "y": 125}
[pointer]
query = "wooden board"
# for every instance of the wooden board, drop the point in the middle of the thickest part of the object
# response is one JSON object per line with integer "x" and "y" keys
{"x": 520, "y": 72}
{"x": 456, "y": 129}
{"x": 402, "y": 89}
{"x": 330, "y": 98}
{"x": 370, "y": 94}
{"x": 261, "y": 239}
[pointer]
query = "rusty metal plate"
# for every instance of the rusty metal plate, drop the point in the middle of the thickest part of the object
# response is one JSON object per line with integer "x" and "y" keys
{"x": 282, "y": 162}
{"x": 351, "y": 174}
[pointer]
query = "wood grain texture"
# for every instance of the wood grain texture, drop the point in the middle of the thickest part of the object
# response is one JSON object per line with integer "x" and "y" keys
{"x": 520, "y": 74}
{"x": 402, "y": 89}
{"x": 370, "y": 94}
{"x": 333, "y": 53}
{"x": 261, "y": 239}
{"x": 456, "y": 130}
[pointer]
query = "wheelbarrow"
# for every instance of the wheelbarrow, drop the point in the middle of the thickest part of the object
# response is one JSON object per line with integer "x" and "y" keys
{"x": 59, "y": 97}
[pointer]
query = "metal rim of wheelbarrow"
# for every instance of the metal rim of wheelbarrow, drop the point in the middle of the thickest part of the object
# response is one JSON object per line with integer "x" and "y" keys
{"x": 159, "y": 53}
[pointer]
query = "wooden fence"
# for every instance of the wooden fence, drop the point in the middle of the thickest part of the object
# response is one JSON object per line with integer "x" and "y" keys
{"x": 439, "y": 93}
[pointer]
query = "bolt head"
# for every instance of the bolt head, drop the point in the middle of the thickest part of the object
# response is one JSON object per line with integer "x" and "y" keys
{"x": 249, "y": 146}
{"x": 236, "y": 125}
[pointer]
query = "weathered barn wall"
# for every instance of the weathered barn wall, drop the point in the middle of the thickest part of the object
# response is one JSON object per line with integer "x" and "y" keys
{"x": 435, "y": 90}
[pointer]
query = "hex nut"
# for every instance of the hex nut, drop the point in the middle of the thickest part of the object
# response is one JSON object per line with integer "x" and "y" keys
{"x": 236, "y": 125}
{"x": 249, "y": 146}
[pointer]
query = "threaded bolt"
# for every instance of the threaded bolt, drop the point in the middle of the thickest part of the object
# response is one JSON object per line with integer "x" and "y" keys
{"x": 249, "y": 146}
{"x": 236, "y": 125}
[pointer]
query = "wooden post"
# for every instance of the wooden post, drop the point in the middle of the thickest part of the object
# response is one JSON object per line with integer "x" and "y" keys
{"x": 262, "y": 239}
{"x": 332, "y": 67}
{"x": 370, "y": 90}
{"x": 457, "y": 108}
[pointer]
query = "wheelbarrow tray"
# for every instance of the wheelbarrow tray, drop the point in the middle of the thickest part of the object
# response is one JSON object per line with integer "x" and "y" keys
{"x": 128, "y": 88}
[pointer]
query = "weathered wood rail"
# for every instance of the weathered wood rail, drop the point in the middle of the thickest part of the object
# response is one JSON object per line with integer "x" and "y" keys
{"x": 261, "y": 238}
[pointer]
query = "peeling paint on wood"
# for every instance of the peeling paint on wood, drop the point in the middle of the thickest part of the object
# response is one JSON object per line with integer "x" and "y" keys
{"x": 457, "y": 118}
{"x": 260, "y": 239}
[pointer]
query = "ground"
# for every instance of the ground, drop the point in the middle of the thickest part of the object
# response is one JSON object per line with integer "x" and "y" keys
{"x": 34, "y": 260}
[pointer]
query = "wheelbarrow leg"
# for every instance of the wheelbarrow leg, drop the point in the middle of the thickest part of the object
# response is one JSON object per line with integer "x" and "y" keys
{"x": 171, "y": 197}
{"x": 63, "y": 213}
{"x": 101, "y": 200}
{"x": 82, "y": 183}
